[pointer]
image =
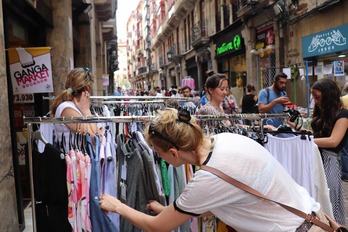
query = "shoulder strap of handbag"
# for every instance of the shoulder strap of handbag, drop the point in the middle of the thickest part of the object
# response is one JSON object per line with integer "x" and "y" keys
{"x": 252, "y": 191}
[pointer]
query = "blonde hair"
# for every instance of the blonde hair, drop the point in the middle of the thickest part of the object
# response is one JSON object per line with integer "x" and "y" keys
{"x": 171, "y": 132}
{"x": 77, "y": 81}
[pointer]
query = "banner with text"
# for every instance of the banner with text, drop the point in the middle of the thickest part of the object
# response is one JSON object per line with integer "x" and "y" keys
{"x": 31, "y": 70}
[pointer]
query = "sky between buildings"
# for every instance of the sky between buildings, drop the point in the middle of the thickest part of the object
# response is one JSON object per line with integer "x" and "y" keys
{"x": 125, "y": 8}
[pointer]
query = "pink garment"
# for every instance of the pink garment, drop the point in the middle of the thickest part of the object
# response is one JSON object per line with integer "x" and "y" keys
{"x": 188, "y": 81}
{"x": 71, "y": 191}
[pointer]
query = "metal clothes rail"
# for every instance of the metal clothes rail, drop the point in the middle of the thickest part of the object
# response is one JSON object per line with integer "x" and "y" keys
{"x": 29, "y": 121}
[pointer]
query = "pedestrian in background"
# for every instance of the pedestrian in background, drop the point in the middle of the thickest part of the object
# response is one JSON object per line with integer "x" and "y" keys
{"x": 229, "y": 104}
{"x": 249, "y": 100}
{"x": 271, "y": 99}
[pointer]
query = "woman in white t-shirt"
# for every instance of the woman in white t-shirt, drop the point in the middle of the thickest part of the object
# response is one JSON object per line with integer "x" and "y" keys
{"x": 177, "y": 138}
{"x": 74, "y": 101}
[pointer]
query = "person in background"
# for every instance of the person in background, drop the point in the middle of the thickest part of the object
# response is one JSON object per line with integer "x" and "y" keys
{"x": 74, "y": 101}
{"x": 330, "y": 130}
{"x": 272, "y": 99}
{"x": 118, "y": 92}
{"x": 344, "y": 151}
{"x": 216, "y": 88}
{"x": 158, "y": 92}
{"x": 171, "y": 136}
{"x": 249, "y": 100}
{"x": 186, "y": 91}
{"x": 189, "y": 105}
{"x": 179, "y": 94}
{"x": 173, "y": 93}
{"x": 229, "y": 103}
{"x": 204, "y": 99}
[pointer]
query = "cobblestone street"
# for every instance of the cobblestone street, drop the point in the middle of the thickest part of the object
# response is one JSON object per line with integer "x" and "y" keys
{"x": 345, "y": 192}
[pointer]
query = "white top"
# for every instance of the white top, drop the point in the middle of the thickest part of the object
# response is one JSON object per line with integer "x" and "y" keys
{"x": 249, "y": 162}
{"x": 61, "y": 128}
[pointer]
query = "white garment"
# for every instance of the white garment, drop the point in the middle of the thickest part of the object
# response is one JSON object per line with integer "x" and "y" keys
{"x": 295, "y": 154}
{"x": 61, "y": 128}
{"x": 322, "y": 189}
{"x": 47, "y": 131}
{"x": 247, "y": 161}
{"x": 301, "y": 158}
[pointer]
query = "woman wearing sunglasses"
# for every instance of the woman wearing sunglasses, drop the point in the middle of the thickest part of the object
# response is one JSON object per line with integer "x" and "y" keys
{"x": 177, "y": 138}
{"x": 74, "y": 101}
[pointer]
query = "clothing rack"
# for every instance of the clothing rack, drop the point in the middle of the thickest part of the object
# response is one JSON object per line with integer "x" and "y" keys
{"x": 29, "y": 121}
{"x": 128, "y": 97}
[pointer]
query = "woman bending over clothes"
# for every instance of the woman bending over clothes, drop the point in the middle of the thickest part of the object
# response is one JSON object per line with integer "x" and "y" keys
{"x": 177, "y": 138}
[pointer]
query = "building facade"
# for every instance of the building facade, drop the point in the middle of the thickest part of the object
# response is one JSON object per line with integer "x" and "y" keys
{"x": 80, "y": 34}
{"x": 248, "y": 40}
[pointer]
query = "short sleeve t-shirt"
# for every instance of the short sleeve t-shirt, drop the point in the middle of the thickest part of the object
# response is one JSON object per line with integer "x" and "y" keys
{"x": 277, "y": 109}
{"x": 247, "y": 161}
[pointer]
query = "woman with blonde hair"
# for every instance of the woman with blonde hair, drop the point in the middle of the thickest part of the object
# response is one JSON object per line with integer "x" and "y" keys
{"x": 74, "y": 101}
{"x": 177, "y": 138}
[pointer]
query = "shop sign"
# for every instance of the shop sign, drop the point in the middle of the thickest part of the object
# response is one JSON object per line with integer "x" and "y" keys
{"x": 30, "y": 70}
{"x": 265, "y": 35}
{"x": 23, "y": 98}
{"x": 105, "y": 79}
{"x": 230, "y": 46}
{"x": 325, "y": 42}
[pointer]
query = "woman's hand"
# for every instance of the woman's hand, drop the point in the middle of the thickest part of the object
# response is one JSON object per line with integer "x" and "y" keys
{"x": 109, "y": 203}
{"x": 83, "y": 103}
{"x": 154, "y": 207}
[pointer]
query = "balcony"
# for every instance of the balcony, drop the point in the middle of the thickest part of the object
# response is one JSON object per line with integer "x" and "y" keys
{"x": 105, "y": 9}
{"x": 247, "y": 8}
{"x": 199, "y": 34}
{"x": 141, "y": 70}
{"x": 183, "y": 7}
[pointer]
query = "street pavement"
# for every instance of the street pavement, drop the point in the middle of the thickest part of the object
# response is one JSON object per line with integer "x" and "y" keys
{"x": 345, "y": 194}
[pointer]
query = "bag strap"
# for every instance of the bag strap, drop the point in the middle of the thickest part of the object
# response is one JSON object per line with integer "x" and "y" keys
{"x": 252, "y": 191}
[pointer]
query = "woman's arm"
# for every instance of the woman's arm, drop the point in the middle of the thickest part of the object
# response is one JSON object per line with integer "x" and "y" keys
{"x": 83, "y": 104}
{"x": 90, "y": 128}
{"x": 167, "y": 220}
{"x": 336, "y": 137}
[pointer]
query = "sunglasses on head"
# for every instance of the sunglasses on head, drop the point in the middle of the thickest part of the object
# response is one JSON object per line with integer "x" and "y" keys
{"x": 87, "y": 73}
{"x": 155, "y": 133}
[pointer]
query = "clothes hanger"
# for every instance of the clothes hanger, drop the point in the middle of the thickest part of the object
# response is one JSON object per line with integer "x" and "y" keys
{"x": 63, "y": 144}
{"x": 71, "y": 144}
{"x": 37, "y": 135}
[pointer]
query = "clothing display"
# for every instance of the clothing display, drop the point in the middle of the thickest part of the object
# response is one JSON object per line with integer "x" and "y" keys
{"x": 119, "y": 162}
{"x": 300, "y": 158}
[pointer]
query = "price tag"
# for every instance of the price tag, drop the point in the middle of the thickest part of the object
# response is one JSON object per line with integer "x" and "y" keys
{"x": 23, "y": 98}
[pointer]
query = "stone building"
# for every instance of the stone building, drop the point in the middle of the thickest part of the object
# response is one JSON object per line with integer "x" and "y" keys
{"x": 248, "y": 40}
{"x": 80, "y": 33}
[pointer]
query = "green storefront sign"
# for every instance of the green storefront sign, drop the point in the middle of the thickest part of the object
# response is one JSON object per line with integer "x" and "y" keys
{"x": 234, "y": 45}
